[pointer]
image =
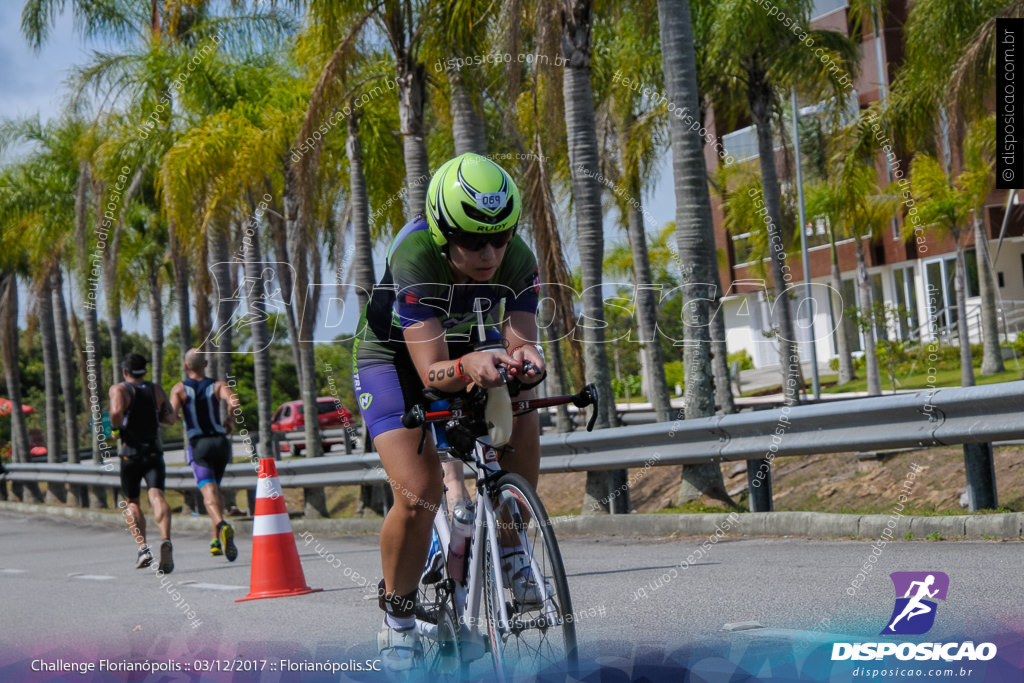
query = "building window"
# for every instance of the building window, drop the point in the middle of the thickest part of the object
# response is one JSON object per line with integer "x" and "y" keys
{"x": 741, "y": 249}
{"x": 842, "y": 319}
{"x": 940, "y": 282}
{"x": 904, "y": 297}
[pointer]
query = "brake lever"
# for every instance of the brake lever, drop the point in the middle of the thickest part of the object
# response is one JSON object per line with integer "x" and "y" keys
{"x": 588, "y": 396}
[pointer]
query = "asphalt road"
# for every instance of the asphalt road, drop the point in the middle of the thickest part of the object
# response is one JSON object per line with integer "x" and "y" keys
{"x": 70, "y": 590}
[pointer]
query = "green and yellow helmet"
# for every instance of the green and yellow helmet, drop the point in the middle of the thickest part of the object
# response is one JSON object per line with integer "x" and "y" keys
{"x": 471, "y": 193}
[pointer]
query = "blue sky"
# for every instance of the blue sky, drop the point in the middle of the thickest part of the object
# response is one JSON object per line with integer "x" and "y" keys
{"x": 33, "y": 84}
{"x": 33, "y": 81}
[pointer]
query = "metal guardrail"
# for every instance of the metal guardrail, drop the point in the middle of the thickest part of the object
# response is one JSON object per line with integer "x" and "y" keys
{"x": 928, "y": 418}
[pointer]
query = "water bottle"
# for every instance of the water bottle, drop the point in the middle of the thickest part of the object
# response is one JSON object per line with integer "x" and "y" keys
{"x": 462, "y": 531}
{"x": 498, "y": 412}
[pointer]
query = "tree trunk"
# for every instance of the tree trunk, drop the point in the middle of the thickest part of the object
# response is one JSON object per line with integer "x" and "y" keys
{"x": 868, "y": 329}
{"x": 960, "y": 283}
{"x": 180, "y": 268}
{"x": 67, "y": 379}
{"x": 201, "y": 295}
{"x": 12, "y": 373}
{"x": 295, "y": 222}
{"x": 992, "y": 356}
{"x": 78, "y": 348}
{"x": 584, "y": 165}
{"x": 846, "y": 373}
{"x": 759, "y": 99}
{"x": 412, "y": 97}
{"x": 260, "y": 344}
{"x": 467, "y": 124}
{"x": 720, "y": 360}
{"x": 224, "y": 295}
{"x": 156, "y": 324}
{"x": 371, "y": 496}
{"x": 362, "y": 242}
{"x": 91, "y": 364}
{"x": 647, "y": 314}
{"x": 279, "y": 234}
{"x": 694, "y": 236}
{"x": 51, "y": 379}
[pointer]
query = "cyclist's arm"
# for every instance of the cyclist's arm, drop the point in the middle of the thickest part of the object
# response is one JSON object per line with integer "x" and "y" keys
{"x": 429, "y": 353}
{"x": 521, "y": 332}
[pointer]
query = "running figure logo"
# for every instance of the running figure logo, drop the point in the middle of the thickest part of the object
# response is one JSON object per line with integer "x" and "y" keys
{"x": 914, "y": 612}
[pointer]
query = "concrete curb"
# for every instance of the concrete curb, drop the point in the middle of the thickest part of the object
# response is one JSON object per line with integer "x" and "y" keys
{"x": 1003, "y": 526}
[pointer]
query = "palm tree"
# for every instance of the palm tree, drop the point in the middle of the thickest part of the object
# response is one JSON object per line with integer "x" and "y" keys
{"x": 44, "y": 200}
{"x": 864, "y": 214}
{"x": 943, "y": 86}
{"x": 945, "y": 206}
{"x": 822, "y": 201}
{"x": 640, "y": 135}
{"x": 584, "y": 168}
{"x": 694, "y": 235}
{"x": 12, "y": 262}
{"x": 755, "y": 53}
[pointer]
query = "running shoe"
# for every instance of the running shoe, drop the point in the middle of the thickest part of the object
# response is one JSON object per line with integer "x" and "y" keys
{"x": 145, "y": 558}
{"x": 227, "y": 539}
{"x": 166, "y": 557}
{"x": 215, "y": 548}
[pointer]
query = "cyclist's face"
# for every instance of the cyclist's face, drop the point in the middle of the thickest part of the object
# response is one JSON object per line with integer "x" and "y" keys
{"x": 477, "y": 265}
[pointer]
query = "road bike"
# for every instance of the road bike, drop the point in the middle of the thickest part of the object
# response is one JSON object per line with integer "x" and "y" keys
{"x": 522, "y": 637}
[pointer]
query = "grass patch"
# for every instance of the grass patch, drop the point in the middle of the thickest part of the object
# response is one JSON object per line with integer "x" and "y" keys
{"x": 919, "y": 380}
{"x": 694, "y": 506}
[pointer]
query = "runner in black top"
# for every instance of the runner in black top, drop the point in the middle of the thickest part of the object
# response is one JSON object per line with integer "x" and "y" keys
{"x": 137, "y": 408}
{"x": 209, "y": 449}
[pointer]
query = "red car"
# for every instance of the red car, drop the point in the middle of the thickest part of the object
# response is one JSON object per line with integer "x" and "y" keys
{"x": 290, "y": 417}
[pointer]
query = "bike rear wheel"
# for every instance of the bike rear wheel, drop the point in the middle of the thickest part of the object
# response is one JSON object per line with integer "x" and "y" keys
{"x": 539, "y": 635}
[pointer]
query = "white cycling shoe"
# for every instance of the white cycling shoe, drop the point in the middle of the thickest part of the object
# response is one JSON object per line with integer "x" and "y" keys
{"x": 526, "y": 590}
{"x": 519, "y": 578}
{"x": 400, "y": 651}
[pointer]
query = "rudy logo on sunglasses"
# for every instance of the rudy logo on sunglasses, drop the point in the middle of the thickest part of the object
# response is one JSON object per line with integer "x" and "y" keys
{"x": 475, "y": 242}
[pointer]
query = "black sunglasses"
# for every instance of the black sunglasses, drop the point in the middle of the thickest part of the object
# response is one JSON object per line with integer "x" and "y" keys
{"x": 475, "y": 242}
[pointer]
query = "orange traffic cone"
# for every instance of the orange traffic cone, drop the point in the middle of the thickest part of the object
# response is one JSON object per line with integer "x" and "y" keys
{"x": 276, "y": 570}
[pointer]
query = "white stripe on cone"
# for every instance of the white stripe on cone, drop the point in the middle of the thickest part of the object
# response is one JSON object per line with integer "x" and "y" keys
{"x": 266, "y": 487}
{"x": 265, "y": 525}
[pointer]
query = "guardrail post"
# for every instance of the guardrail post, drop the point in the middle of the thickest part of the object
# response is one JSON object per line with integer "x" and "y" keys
{"x": 981, "y": 476}
{"x": 275, "y": 446}
{"x": 759, "y": 484}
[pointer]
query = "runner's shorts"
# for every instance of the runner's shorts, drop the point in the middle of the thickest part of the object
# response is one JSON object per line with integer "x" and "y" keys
{"x": 209, "y": 457}
{"x": 138, "y": 464}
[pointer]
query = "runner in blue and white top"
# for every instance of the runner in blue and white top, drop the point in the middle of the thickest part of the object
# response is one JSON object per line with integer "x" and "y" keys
{"x": 209, "y": 449}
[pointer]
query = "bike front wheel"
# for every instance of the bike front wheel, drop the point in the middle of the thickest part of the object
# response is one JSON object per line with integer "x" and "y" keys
{"x": 538, "y": 633}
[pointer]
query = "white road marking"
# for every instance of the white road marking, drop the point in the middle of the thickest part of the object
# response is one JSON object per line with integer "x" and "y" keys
{"x": 211, "y": 586}
{"x": 91, "y": 577}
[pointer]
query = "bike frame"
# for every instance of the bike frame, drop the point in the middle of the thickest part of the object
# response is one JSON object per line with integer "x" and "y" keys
{"x": 485, "y": 465}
